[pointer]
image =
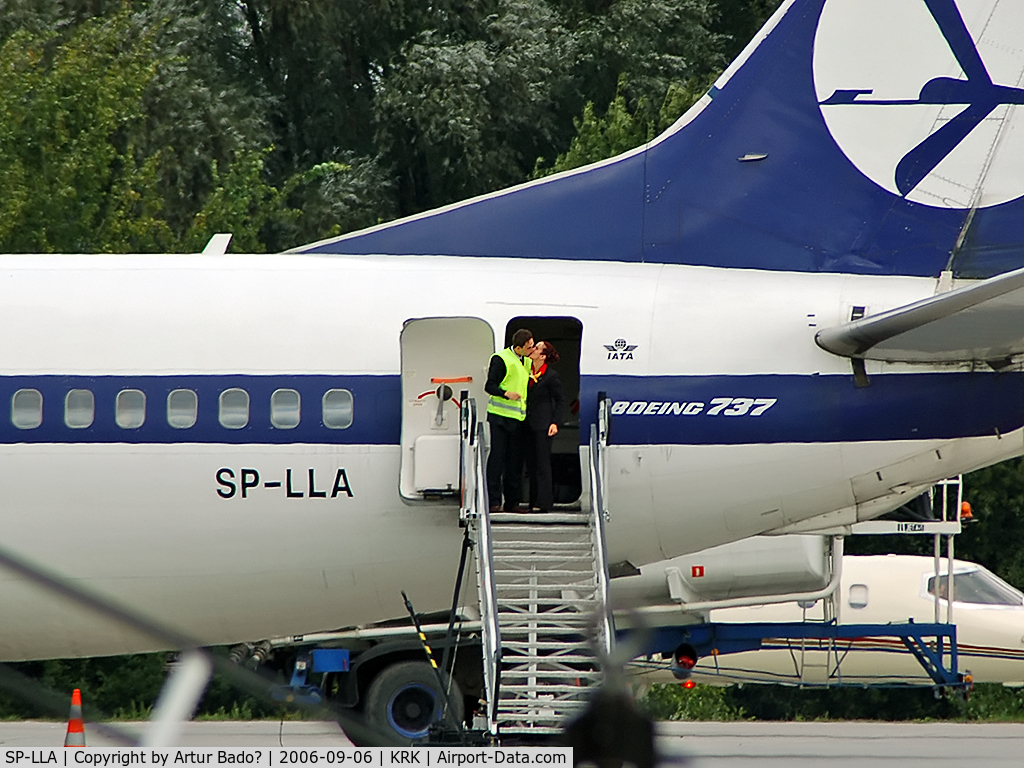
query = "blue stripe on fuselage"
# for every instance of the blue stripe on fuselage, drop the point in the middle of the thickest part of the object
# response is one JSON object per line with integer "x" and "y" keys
{"x": 376, "y": 409}
{"x": 807, "y": 409}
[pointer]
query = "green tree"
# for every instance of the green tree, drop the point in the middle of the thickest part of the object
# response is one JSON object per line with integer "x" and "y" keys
{"x": 655, "y": 44}
{"x": 70, "y": 179}
{"x": 739, "y": 20}
{"x": 121, "y": 133}
{"x": 468, "y": 109}
{"x": 464, "y": 112}
{"x": 621, "y": 129}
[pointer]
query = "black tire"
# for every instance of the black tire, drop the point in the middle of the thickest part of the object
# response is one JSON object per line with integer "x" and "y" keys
{"x": 404, "y": 700}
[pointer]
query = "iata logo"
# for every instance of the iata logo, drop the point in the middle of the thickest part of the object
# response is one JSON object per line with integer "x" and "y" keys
{"x": 921, "y": 96}
{"x": 620, "y": 350}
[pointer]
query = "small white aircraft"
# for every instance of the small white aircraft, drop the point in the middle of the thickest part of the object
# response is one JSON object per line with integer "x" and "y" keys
{"x": 804, "y": 300}
{"x": 872, "y": 590}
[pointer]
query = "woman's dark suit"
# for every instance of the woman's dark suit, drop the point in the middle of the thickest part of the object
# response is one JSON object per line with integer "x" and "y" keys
{"x": 545, "y": 405}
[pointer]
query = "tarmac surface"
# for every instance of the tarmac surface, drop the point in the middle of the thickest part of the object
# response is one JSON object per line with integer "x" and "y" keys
{"x": 695, "y": 745}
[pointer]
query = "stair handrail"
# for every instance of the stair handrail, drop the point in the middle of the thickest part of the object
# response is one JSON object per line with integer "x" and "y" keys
{"x": 599, "y": 515}
{"x": 469, "y": 447}
{"x": 474, "y": 512}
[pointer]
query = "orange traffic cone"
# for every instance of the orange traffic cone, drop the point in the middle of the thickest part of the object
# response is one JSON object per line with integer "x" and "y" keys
{"x": 76, "y": 727}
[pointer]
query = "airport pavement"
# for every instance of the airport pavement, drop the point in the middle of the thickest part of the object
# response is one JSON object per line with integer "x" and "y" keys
{"x": 842, "y": 744}
{"x": 695, "y": 745}
{"x": 254, "y": 733}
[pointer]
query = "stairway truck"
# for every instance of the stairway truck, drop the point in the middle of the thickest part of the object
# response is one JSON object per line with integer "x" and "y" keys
{"x": 389, "y": 681}
{"x": 759, "y": 566}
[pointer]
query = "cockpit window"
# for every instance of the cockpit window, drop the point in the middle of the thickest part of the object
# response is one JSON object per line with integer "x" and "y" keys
{"x": 979, "y": 587}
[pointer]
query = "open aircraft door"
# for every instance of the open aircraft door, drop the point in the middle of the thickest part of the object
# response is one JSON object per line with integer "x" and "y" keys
{"x": 441, "y": 358}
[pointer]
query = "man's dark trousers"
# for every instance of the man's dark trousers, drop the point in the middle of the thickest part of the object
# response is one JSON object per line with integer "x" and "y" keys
{"x": 505, "y": 463}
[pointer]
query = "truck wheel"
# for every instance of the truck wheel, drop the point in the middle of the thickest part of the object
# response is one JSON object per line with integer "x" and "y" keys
{"x": 404, "y": 700}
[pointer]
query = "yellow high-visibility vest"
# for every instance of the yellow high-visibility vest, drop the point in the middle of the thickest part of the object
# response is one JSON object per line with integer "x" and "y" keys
{"x": 517, "y": 377}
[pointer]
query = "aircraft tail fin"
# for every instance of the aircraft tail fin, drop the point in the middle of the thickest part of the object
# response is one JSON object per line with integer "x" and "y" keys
{"x": 859, "y": 136}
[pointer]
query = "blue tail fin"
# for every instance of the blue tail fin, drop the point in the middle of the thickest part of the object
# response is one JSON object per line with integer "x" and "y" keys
{"x": 860, "y": 136}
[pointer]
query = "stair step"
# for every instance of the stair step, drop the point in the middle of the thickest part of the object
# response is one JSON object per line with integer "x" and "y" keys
{"x": 563, "y": 572}
{"x": 517, "y": 618}
{"x": 579, "y": 531}
{"x": 550, "y": 665}
{"x": 564, "y": 602}
{"x": 535, "y": 707}
{"x": 542, "y": 645}
{"x": 583, "y": 545}
{"x": 523, "y": 705}
{"x": 546, "y": 545}
{"x": 527, "y": 689}
{"x": 508, "y": 675}
{"x": 539, "y": 518}
{"x": 532, "y": 557}
{"x": 541, "y": 595}
{"x": 545, "y": 625}
{"x": 541, "y": 605}
{"x": 519, "y": 583}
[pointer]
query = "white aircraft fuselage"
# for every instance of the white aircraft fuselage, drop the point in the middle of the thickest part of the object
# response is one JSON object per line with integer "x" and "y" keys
{"x": 157, "y": 517}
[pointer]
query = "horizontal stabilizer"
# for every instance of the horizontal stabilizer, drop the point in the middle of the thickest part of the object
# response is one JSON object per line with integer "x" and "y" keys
{"x": 983, "y": 322}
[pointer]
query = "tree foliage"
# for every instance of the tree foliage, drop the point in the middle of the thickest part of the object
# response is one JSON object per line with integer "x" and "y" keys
{"x": 70, "y": 177}
{"x": 137, "y": 131}
{"x": 987, "y": 702}
{"x": 336, "y": 114}
{"x": 621, "y": 128}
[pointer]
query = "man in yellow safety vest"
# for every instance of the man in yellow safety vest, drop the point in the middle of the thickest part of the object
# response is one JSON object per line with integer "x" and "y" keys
{"x": 507, "y": 378}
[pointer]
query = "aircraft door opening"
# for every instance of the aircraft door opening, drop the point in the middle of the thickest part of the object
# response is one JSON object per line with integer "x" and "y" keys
{"x": 441, "y": 358}
{"x": 566, "y": 334}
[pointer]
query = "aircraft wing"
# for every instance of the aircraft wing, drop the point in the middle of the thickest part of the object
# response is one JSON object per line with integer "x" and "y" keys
{"x": 983, "y": 322}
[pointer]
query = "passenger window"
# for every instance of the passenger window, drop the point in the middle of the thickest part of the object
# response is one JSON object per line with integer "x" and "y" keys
{"x": 27, "y": 408}
{"x": 234, "y": 408}
{"x": 285, "y": 409}
{"x": 858, "y": 596}
{"x": 79, "y": 408}
{"x": 182, "y": 408}
{"x": 337, "y": 409}
{"x": 130, "y": 409}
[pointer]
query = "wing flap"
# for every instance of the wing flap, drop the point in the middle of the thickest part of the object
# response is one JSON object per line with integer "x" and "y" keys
{"x": 983, "y": 322}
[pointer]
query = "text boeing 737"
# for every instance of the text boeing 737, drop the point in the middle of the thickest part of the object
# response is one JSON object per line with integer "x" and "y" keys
{"x": 803, "y": 308}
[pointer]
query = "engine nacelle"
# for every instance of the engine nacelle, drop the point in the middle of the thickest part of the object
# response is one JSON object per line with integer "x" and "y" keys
{"x": 762, "y": 565}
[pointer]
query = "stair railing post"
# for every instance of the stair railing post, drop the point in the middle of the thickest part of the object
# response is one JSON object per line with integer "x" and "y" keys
{"x": 488, "y": 594}
{"x": 599, "y": 515}
{"x": 468, "y": 449}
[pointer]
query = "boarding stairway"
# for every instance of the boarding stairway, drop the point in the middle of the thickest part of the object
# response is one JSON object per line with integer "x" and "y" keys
{"x": 543, "y": 587}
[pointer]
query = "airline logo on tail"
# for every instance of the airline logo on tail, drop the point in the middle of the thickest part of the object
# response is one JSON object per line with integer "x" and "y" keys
{"x": 921, "y": 96}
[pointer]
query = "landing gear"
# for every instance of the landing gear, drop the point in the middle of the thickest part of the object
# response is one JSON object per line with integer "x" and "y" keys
{"x": 404, "y": 700}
